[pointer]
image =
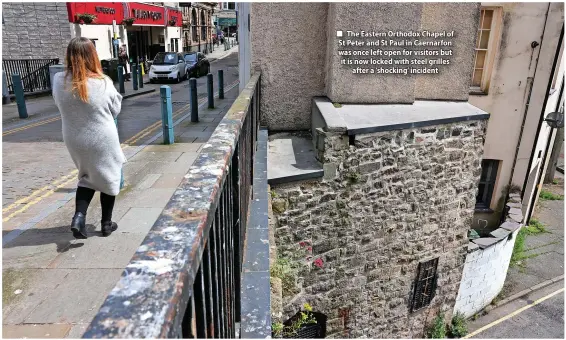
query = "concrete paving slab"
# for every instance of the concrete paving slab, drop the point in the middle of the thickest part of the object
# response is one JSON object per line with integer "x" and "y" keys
{"x": 201, "y": 134}
{"x": 151, "y": 198}
{"x": 35, "y": 331}
{"x": 168, "y": 181}
{"x": 114, "y": 251}
{"x": 187, "y": 158}
{"x": 36, "y": 285}
{"x": 77, "y": 331}
{"x": 71, "y": 302}
{"x": 35, "y": 249}
{"x": 144, "y": 156}
{"x": 138, "y": 220}
{"x": 177, "y": 147}
{"x": 168, "y": 168}
{"x": 291, "y": 157}
{"x": 148, "y": 181}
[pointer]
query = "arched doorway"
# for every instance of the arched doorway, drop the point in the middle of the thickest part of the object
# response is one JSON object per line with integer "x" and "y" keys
{"x": 203, "y": 36}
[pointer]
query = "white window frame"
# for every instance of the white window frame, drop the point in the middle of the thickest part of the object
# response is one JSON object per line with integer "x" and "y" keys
{"x": 492, "y": 46}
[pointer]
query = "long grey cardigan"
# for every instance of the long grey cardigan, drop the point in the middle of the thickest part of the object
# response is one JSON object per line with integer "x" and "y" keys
{"x": 90, "y": 133}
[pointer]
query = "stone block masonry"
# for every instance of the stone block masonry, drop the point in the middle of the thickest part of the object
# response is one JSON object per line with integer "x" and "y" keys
{"x": 34, "y": 30}
{"x": 394, "y": 199}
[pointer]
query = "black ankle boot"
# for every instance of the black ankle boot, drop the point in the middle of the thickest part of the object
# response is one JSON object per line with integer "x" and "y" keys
{"x": 78, "y": 226}
{"x": 108, "y": 227}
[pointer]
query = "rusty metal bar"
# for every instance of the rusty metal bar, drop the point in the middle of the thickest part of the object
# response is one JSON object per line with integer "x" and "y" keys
{"x": 200, "y": 306}
{"x": 218, "y": 325}
{"x": 209, "y": 287}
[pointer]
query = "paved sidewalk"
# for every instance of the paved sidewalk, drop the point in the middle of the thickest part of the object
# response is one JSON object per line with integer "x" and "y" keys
{"x": 545, "y": 251}
{"x": 45, "y": 106}
{"x": 53, "y": 285}
{"x": 219, "y": 53}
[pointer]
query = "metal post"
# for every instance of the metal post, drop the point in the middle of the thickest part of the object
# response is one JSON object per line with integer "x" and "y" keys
{"x": 122, "y": 170}
{"x": 167, "y": 115}
{"x": 140, "y": 76}
{"x": 210, "y": 90}
{"x": 193, "y": 99}
{"x": 19, "y": 92}
{"x": 220, "y": 84}
{"x": 122, "y": 89}
{"x": 135, "y": 76}
{"x": 5, "y": 92}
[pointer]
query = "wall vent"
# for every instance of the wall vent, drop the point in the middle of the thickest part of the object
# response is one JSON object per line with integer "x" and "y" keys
{"x": 425, "y": 285}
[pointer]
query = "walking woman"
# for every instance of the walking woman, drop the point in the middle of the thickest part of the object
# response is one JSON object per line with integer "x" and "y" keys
{"x": 89, "y": 103}
{"x": 123, "y": 60}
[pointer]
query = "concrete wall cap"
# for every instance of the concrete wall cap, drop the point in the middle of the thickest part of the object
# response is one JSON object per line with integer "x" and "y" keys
{"x": 334, "y": 122}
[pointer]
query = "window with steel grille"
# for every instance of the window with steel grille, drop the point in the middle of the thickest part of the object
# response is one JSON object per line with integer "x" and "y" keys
{"x": 425, "y": 285}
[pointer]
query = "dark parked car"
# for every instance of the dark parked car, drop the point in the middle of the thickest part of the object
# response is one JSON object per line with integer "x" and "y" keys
{"x": 197, "y": 64}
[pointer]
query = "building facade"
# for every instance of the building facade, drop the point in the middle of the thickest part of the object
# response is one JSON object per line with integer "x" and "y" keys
{"x": 226, "y": 18}
{"x": 516, "y": 79}
{"x": 145, "y": 29}
{"x": 198, "y": 27}
{"x": 361, "y": 230}
{"x": 34, "y": 30}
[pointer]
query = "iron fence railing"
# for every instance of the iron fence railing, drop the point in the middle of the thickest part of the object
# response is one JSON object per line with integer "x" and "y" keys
{"x": 34, "y": 73}
{"x": 184, "y": 280}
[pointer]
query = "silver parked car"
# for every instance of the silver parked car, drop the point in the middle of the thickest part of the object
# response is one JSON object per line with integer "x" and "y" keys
{"x": 168, "y": 66}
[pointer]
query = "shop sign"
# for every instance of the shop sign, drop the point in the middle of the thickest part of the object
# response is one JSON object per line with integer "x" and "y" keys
{"x": 226, "y": 21}
{"x": 106, "y": 12}
{"x": 174, "y": 17}
{"x": 147, "y": 14}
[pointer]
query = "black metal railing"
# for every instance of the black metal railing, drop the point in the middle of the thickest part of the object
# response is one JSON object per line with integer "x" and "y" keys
{"x": 34, "y": 73}
{"x": 184, "y": 280}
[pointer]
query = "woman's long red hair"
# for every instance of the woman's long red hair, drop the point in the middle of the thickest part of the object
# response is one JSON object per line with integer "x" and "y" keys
{"x": 82, "y": 63}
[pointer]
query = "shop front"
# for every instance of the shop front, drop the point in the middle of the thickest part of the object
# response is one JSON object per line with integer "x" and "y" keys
{"x": 144, "y": 29}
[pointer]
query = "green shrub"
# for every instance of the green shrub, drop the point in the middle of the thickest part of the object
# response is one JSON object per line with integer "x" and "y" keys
{"x": 438, "y": 328}
{"x": 546, "y": 195}
{"x": 458, "y": 327}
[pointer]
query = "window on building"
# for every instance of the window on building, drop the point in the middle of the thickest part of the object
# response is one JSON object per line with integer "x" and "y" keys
{"x": 485, "y": 49}
{"x": 231, "y": 5}
{"x": 489, "y": 169}
{"x": 194, "y": 22}
{"x": 203, "y": 26}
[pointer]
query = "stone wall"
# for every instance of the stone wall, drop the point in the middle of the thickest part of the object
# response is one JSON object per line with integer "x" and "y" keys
{"x": 34, "y": 30}
{"x": 388, "y": 201}
{"x": 487, "y": 262}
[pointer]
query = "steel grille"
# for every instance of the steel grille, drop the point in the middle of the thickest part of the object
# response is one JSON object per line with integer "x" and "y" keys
{"x": 425, "y": 286}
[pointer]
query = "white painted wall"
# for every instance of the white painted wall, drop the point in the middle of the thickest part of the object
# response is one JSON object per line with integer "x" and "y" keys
{"x": 103, "y": 34}
{"x": 173, "y": 33}
{"x": 484, "y": 274}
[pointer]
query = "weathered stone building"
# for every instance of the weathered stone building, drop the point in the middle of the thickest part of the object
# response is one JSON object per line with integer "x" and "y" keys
{"x": 34, "y": 30}
{"x": 197, "y": 26}
{"x": 377, "y": 229}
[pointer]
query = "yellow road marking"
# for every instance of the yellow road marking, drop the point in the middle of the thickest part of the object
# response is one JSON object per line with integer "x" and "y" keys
{"x": 35, "y": 201}
{"x": 520, "y": 310}
{"x": 35, "y": 193}
{"x": 21, "y": 128}
{"x": 124, "y": 145}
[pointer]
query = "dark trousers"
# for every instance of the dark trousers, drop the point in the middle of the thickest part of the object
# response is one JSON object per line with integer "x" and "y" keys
{"x": 85, "y": 195}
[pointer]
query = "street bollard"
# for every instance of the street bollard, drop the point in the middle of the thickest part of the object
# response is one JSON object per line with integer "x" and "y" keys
{"x": 220, "y": 84}
{"x": 5, "y": 93}
{"x": 167, "y": 115}
{"x": 135, "y": 76}
{"x": 193, "y": 99}
{"x": 140, "y": 76}
{"x": 210, "y": 90}
{"x": 122, "y": 89}
{"x": 19, "y": 92}
{"x": 122, "y": 170}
